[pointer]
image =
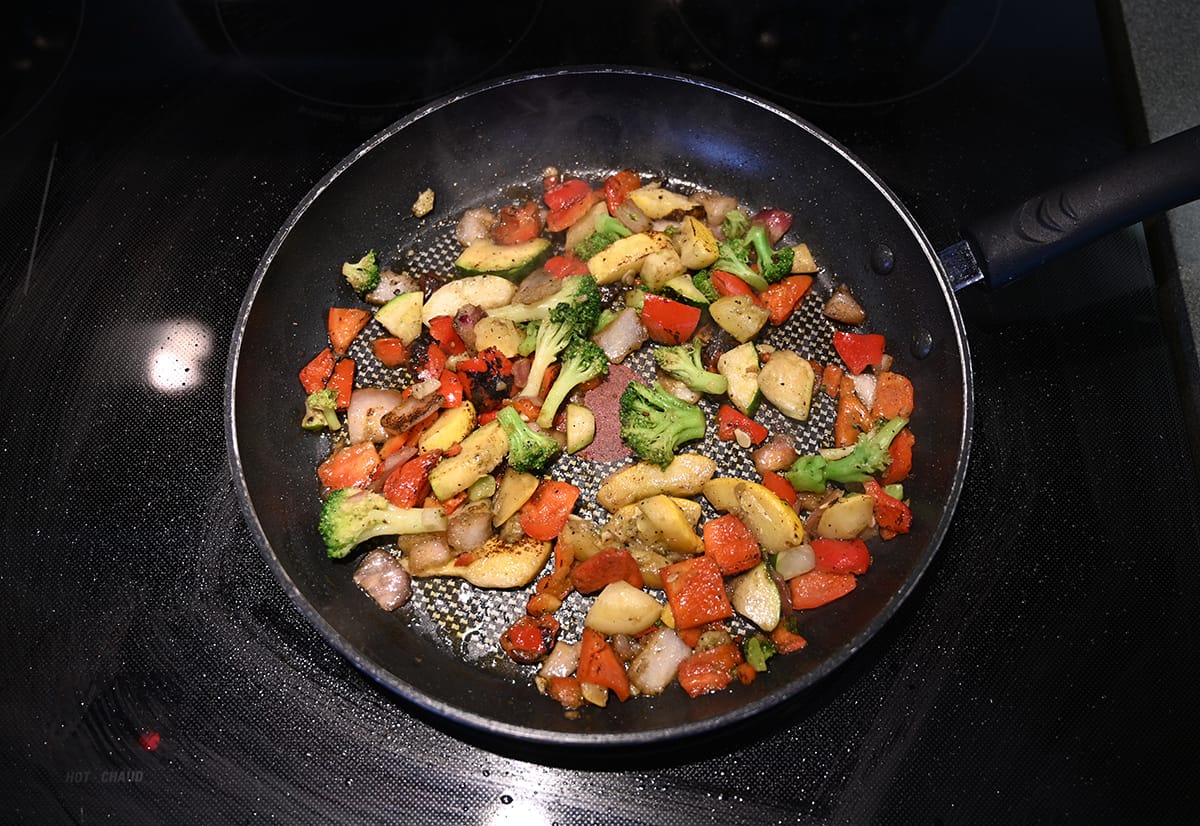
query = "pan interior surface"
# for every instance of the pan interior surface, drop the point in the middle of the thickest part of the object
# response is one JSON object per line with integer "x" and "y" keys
{"x": 480, "y": 148}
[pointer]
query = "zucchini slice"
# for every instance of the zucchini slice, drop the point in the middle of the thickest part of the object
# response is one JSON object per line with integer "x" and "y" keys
{"x": 740, "y": 367}
{"x": 511, "y": 261}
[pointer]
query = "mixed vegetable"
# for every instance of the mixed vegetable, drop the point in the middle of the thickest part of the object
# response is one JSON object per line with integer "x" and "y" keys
{"x": 497, "y": 371}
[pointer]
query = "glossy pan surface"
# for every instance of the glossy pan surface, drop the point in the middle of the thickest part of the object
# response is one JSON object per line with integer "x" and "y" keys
{"x": 476, "y": 148}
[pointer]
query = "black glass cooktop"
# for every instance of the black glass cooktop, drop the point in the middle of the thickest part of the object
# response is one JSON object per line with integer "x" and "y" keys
{"x": 1043, "y": 670}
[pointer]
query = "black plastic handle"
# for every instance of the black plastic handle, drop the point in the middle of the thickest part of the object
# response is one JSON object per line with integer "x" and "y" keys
{"x": 1009, "y": 242}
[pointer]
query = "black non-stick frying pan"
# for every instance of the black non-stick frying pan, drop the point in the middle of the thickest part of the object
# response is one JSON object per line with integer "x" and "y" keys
{"x": 481, "y": 146}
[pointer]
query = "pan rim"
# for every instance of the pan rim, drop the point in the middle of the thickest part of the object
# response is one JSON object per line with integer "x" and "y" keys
{"x": 458, "y": 716}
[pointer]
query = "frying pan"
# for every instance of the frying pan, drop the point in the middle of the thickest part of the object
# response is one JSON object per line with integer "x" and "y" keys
{"x": 489, "y": 144}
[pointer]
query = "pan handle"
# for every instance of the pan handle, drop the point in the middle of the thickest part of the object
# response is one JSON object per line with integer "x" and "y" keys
{"x": 1009, "y": 242}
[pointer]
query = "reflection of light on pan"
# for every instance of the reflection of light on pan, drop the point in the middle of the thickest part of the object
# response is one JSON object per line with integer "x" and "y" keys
{"x": 176, "y": 355}
{"x": 514, "y": 812}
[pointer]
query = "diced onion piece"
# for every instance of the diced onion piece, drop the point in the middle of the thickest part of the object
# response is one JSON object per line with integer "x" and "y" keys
{"x": 562, "y": 660}
{"x": 795, "y": 561}
{"x": 384, "y": 580}
{"x": 368, "y": 406}
{"x": 653, "y": 669}
{"x": 864, "y": 388}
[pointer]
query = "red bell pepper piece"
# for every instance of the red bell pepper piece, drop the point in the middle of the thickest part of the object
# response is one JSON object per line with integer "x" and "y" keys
{"x": 351, "y": 467}
{"x": 729, "y": 543}
{"x": 545, "y": 514}
{"x": 315, "y": 374}
{"x": 667, "y": 321}
{"x": 441, "y": 329}
{"x": 817, "y": 588}
{"x": 568, "y": 201}
{"x": 901, "y": 452}
{"x": 890, "y": 513}
{"x": 730, "y": 419}
{"x": 608, "y": 566}
{"x": 779, "y": 486}
{"x": 562, "y": 266}
{"x": 782, "y": 297}
{"x": 434, "y": 364}
{"x": 695, "y": 591}
{"x": 515, "y": 225}
{"x": 408, "y": 485}
{"x": 599, "y": 664}
{"x": 618, "y": 187}
{"x": 451, "y": 389}
{"x": 841, "y": 556}
{"x": 859, "y": 350}
{"x": 342, "y": 381}
{"x": 391, "y": 351}
{"x": 726, "y": 283}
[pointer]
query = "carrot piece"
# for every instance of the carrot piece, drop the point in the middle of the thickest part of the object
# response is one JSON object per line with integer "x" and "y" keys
{"x": 695, "y": 591}
{"x": 893, "y": 396}
{"x": 610, "y": 565}
{"x": 454, "y": 502}
{"x": 779, "y": 486}
{"x": 351, "y": 467}
{"x": 852, "y": 418}
{"x": 408, "y": 484}
{"x": 784, "y": 296}
{"x": 841, "y": 556}
{"x": 707, "y": 671}
{"x": 344, "y": 326}
{"x": 545, "y": 514}
{"x": 342, "y": 381}
{"x": 831, "y": 379}
{"x": 391, "y": 351}
{"x": 817, "y": 588}
{"x": 745, "y": 673}
{"x": 785, "y": 640}
{"x": 891, "y": 514}
{"x": 690, "y": 636}
{"x": 901, "y": 452}
{"x": 392, "y": 444}
{"x": 527, "y": 407}
{"x": 599, "y": 664}
{"x": 729, "y": 543}
{"x": 316, "y": 373}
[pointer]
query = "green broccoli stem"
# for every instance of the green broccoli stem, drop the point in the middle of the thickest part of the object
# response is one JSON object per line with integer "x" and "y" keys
{"x": 870, "y": 456}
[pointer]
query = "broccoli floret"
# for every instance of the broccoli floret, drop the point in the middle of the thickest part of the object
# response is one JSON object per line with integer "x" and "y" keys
{"x": 320, "y": 410}
{"x": 684, "y": 362}
{"x": 581, "y": 361}
{"x": 572, "y": 318}
{"x": 577, "y": 289}
{"x": 351, "y": 516}
{"x": 608, "y": 229}
{"x": 869, "y": 457}
{"x": 654, "y": 423}
{"x": 703, "y": 282}
{"x": 773, "y": 265}
{"x": 363, "y": 276}
{"x": 734, "y": 257}
{"x": 528, "y": 450}
{"x": 735, "y": 224}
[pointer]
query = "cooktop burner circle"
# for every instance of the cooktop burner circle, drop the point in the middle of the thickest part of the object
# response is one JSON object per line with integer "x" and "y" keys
{"x": 847, "y": 54}
{"x": 38, "y": 39}
{"x": 359, "y": 53}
